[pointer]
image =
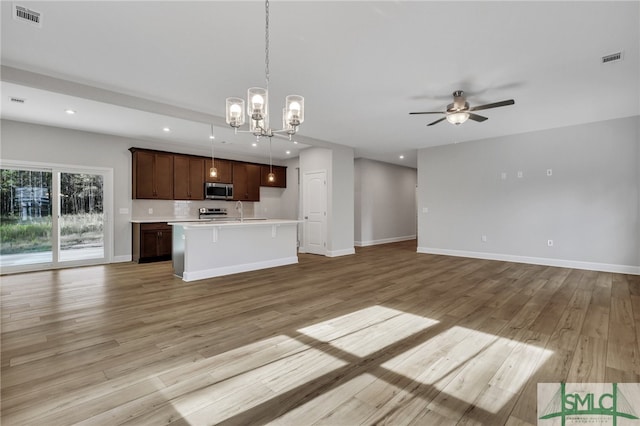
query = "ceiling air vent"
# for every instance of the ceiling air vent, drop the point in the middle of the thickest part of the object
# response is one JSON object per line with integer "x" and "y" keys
{"x": 612, "y": 58}
{"x": 24, "y": 14}
{"x": 17, "y": 100}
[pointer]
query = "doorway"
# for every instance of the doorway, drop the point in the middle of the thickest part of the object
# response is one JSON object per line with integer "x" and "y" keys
{"x": 315, "y": 212}
{"x": 53, "y": 217}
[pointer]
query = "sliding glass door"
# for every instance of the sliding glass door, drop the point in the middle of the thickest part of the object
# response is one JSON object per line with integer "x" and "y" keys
{"x": 26, "y": 235}
{"x": 52, "y": 218}
{"x": 81, "y": 218}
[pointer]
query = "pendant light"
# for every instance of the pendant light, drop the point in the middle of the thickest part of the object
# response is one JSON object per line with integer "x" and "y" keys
{"x": 213, "y": 172}
{"x": 258, "y": 104}
{"x": 271, "y": 178}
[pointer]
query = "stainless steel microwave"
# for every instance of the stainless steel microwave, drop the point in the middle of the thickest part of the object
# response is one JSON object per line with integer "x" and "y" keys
{"x": 218, "y": 191}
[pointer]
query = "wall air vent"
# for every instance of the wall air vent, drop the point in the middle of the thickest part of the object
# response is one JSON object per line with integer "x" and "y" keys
{"x": 24, "y": 14}
{"x": 17, "y": 100}
{"x": 612, "y": 58}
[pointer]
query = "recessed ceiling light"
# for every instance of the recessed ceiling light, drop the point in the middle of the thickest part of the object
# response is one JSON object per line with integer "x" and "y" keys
{"x": 69, "y": 111}
{"x": 254, "y": 144}
{"x": 166, "y": 129}
{"x": 296, "y": 142}
{"x": 402, "y": 157}
{"x": 212, "y": 137}
{"x": 287, "y": 152}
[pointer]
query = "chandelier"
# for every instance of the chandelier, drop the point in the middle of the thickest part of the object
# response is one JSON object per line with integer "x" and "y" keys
{"x": 258, "y": 104}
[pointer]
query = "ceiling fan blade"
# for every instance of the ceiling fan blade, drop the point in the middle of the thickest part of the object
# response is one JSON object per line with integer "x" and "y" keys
{"x": 437, "y": 121}
{"x": 428, "y": 112}
{"x": 493, "y": 105}
{"x": 476, "y": 117}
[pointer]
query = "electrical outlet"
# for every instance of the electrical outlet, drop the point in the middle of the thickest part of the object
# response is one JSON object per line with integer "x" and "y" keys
{"x": 150, "y": 211}
{"x": 484, "y": 238}
{"x": 549, "y": 243}
{"x": 425, "y": 210}
{"x": 503, "y": 175}
{"x": 549, "y": 172}
{"x": 520, "y": 175}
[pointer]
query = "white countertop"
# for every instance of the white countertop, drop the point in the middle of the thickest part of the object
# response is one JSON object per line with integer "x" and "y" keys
{"x": 247, "y": 222}
{"x": 188, "y": 219}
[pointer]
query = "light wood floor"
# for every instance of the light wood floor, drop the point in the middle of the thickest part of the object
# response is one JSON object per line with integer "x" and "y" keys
{"x": 385, "y": 336}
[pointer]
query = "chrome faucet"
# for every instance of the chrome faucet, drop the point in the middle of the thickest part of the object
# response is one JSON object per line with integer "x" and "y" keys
{"x": 240, "y": 208}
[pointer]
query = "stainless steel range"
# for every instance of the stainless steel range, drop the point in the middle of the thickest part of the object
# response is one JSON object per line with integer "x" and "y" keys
{"x": 215, "y": 213}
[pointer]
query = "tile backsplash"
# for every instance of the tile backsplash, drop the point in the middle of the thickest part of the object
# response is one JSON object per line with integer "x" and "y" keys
{"x": 178, "y": 209}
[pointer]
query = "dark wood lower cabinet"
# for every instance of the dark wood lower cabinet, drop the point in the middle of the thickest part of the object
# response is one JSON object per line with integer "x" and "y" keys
{"x": 151, "y": 242}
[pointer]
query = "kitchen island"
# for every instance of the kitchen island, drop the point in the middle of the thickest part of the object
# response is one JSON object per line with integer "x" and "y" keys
{"x": 212, "y": 249}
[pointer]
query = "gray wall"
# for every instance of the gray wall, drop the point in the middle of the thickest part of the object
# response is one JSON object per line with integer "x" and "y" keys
{"x": 338, "y": 163}
{"x": 588, "y": 206}
{"x": 43, "y": 144}
{"x": 385, "y": 202}
{"x": 341, "y": 204}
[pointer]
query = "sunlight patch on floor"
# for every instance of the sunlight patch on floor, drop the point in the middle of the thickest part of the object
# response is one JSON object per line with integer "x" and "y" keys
{"x": 462, "y": 363}
{"x": 253, "y": 386}
{"x": 368, "y": 330}
{"x": 324, "y": 405}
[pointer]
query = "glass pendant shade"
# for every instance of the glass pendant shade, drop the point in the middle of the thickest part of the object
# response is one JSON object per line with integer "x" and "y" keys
{"x": 457, "y": 117}
{"x": 294, "y": 110}
{"x": 257, "y": 103}
{"x": 271, "y": 177}
{"x": 290, "y": 129}
{"x": 235, "y": 112}
{"x": 213, "y": 172}
{"x": 257, "y": 126}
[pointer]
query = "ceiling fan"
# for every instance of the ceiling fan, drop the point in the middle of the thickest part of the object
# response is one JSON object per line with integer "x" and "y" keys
{"x": 458, "y": 112}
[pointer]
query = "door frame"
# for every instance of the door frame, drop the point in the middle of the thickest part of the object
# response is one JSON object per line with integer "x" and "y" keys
{"x": 305, "y": 233}
{"x": 107, "y": 200}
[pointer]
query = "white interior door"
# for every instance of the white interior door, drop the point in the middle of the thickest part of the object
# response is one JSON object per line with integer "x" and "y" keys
{"x": 314, "y": 208}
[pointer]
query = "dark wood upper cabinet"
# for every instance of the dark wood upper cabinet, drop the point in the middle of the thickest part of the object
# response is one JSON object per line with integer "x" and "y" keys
{"x": 224, "y": 171}
{"x": 246, "y": 182}
{"x": 188, "y": 177}
{"x": 152, "y": 175}
{"x": 168, "y": 176}
{"x": 280, "y": 174}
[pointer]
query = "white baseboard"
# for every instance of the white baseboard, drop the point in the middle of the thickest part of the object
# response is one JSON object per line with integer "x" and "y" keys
{"x": 123, "y": 258}
{"x": 344, "y": 252}
{"x": 383, "y": 241}
{"x": 562, "y": 263}
{"x": 235, "y": 269}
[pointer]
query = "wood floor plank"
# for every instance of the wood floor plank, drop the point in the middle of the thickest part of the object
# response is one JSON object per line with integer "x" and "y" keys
{"x": 386, "y": 336}
{"x": 589, "y": 361}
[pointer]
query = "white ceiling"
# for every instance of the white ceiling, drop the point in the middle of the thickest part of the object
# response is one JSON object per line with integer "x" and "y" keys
{"x": 131, "y": 68}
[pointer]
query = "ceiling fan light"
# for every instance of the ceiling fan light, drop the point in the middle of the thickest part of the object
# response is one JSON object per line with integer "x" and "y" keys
{"x": 457, "y": 117}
